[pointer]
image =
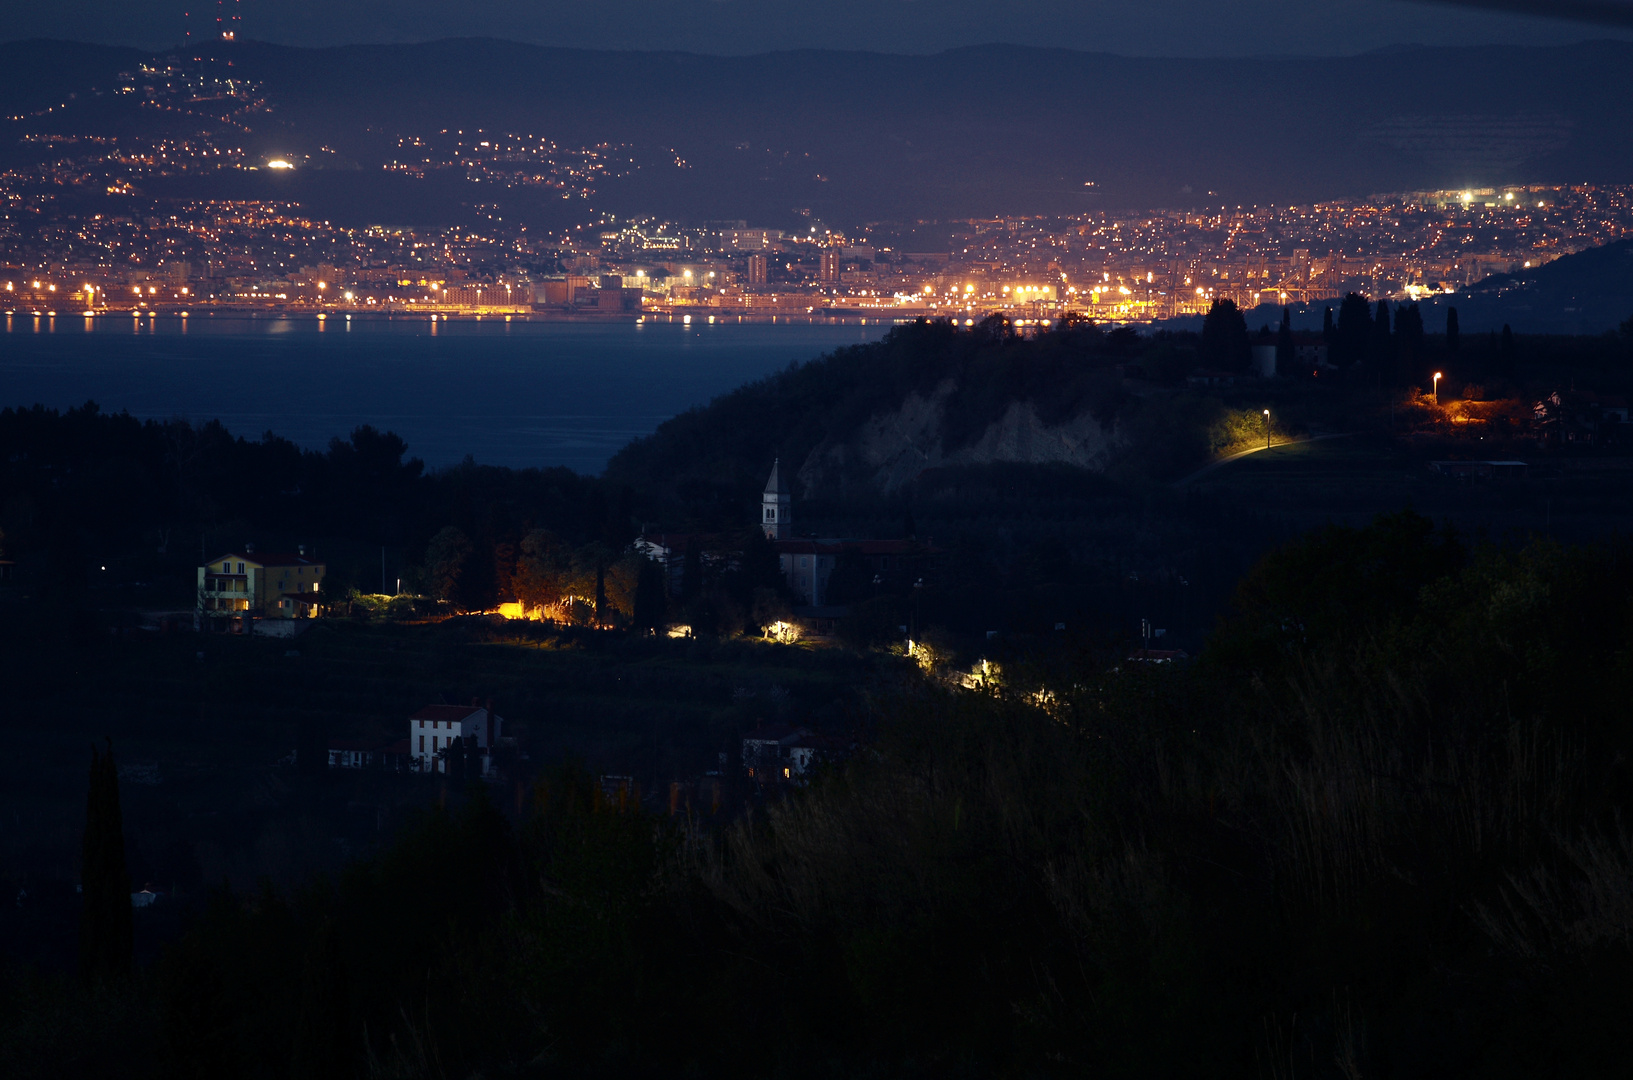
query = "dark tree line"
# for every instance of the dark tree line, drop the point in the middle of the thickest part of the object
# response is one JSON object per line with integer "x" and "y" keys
{"x": 84, "y": 488}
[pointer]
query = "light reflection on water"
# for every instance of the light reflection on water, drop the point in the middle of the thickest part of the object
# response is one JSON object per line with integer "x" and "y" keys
{"x": 506, "y": 393}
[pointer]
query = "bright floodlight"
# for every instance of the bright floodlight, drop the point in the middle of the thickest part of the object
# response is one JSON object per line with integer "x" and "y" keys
{"x": 279, "y": 163}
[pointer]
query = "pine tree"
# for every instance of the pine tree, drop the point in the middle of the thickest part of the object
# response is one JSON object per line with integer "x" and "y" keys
{"x": 1451, "y": 329}
{"x": 106, "y": 927}
{"x": 1225, "y": 343}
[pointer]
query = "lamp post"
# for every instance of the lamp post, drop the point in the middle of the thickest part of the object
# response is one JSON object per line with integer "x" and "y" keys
{"x": 912, "y": 643}
{"x": 1267, "y": 429}
{"x": 1437, "y": 387}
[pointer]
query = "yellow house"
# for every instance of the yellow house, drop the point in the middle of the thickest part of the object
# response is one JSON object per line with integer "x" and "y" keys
{"x": 236, "y": 588}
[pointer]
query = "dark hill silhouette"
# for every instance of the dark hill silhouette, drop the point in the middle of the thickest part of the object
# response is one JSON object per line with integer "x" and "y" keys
{"x": 1585, "y": 293}
{"x": 980, "y": 131}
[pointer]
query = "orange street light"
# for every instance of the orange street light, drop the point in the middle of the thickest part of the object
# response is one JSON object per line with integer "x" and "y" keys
{"x": 1437, "y": 387}
{"x": 1267, "y": 429}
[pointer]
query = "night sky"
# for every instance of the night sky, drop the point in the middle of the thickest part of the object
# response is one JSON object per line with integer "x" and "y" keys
{"x": 1151, "y": 27}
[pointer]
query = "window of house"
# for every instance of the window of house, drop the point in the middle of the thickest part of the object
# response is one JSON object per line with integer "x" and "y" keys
{"x": 422, "y": 744}
{"x": 802, "y": 561}
{"x": 240, "y": 568}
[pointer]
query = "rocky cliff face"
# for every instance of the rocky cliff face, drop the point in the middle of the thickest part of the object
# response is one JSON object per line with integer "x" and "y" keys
{"x": 891, "y": 449}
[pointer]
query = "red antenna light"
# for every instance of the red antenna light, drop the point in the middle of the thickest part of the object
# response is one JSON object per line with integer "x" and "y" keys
{"x": 226, "y": 25}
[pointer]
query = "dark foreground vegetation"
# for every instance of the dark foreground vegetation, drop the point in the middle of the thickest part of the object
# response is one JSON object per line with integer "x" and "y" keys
{"x": 1377, "y": 830}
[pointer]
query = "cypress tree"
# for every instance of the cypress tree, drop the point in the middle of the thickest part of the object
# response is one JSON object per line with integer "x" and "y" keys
{"x": 1451, "y": 329}
{"x": 650, "y": 598}
{"x": 600, "y": 593}
{"x": 1409, "y": 349}
{"x": 1380, "y": 349}
{"x": 453, "y": 760}
{"x": 1284, "y": 344}
{"x": 1353, "y": 330}
{"x": 1506, "y": 352}
{"x": 106, "y": 929}
{"x": 691, "y": 569}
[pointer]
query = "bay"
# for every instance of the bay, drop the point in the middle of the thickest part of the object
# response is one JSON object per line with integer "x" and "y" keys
{"x": 505, "y": 393}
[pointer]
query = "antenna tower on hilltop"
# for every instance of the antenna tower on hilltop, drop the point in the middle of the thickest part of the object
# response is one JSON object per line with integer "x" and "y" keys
{"x": 226, "y": 22}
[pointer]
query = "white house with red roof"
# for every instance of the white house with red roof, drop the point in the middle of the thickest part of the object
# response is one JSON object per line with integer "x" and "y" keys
{"x": 434, "y": 728}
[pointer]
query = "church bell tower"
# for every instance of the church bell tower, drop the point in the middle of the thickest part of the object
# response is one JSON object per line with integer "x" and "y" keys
{"x": 777, "y": 505}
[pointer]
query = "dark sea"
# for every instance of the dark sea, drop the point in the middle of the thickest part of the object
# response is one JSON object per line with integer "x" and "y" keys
{"x": 506, "y": 393}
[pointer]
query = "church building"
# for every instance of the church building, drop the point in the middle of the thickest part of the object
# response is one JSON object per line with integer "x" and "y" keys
{"x": 777, "y": 505}
{"x": 807, "y": 563}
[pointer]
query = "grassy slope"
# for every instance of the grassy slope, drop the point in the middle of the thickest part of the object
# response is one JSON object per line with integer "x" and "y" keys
{"x": 1351, "y": 480}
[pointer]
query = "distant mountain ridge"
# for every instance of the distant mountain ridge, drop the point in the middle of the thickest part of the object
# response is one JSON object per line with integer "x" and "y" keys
{"x": 1588, "y": 292}
{"x": 982, "y": 131}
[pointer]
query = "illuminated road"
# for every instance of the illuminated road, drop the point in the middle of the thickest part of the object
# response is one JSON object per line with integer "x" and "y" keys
{"x": 1212, "y": 465}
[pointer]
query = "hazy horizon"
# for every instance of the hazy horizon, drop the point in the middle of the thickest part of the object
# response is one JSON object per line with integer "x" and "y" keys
{"x": 1181, "y": 29}
{"x": 1604, "y": 36}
